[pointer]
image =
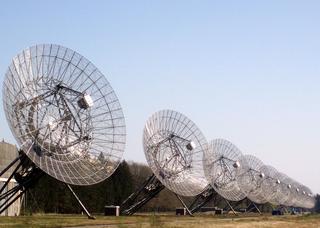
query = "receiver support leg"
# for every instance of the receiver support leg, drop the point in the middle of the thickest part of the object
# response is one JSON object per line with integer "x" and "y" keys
{"x": 80, "y": 203}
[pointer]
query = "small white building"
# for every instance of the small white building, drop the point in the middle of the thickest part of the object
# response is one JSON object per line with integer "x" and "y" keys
{"x": 8, "y": 153}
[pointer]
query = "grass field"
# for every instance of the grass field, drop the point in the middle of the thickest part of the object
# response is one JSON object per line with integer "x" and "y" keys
{"x": 164, "y": 221}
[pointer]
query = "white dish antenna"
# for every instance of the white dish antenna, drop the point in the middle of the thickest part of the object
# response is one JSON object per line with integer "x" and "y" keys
{"x": 174, "y": 148}
{"x": 64, "y": 114}
{"x": 251, "y": 178}
{"x": 222, "y": 167}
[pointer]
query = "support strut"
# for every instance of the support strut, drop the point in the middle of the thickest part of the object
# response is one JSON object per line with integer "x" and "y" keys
{"x": 230, "y": 206}
{"x": 80, "y": 203}
{"x": 26, "y": 174}
{"x": 148, "y": 190}
{"x": 183, "y": 204}
{"x": 202, "y": 199}
{"x": 252, "y": 206}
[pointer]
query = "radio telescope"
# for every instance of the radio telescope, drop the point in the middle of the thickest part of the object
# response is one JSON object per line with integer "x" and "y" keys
{"x": 174, "y": 148}
{"x": 251, "y": 178}
{"x": 287, "y": 187}
{"x": 64, "y": 115}
{"x": 271, "y": 186}
{"x": 291, "y": 191}
{"x": 221, "y": 166}
{"x": 284, "y": 192}
{"x": 301, "y": 195}
{"x": 309, "y": 200}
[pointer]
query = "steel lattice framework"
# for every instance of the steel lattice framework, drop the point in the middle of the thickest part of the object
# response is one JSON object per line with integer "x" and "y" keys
{"x": 222, "y": 169}
{"x": 235, "y": 176}
{"x": 271, "y": 185}
{"x": 64, "y": 114}
{"x": 174, "y": 148}
{"x": 287, "y": 187}
{"x": 251, "y": 178}
{"x": 284, "y": 194}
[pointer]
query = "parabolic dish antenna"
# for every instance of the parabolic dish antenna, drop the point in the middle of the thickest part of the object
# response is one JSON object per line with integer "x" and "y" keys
{"x": 286, "y": 185}
{"x": 284, "y": 192}
{"x": 303, "y": 193}
{"x": 302, "y": 196}
{"x": 294, "y": 192}
{"x": 64, "y": 114}
{"x": 271, "y": 186}
{"x": 221, "y": 165}
{"x": 251, "y": 178}
{"x": 309, "y": 200}
{"x": 297, "y": 192}
{"x": 174, "y": 148}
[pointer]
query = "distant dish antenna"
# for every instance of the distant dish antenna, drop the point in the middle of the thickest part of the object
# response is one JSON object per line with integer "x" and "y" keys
{"x": 301, "y": 197}
{"x": 287, "y": 188}
{"x": 222, "y": 168}
{"x": 174, "y": 148}
{"x": 271, "y": 188}
{"x": 251, "y": 178}
{"x": 308, "y": 201}
{"x": 284, "y": 192}
{"x": 64, "y": 115}
{"x": 292, "y": 196}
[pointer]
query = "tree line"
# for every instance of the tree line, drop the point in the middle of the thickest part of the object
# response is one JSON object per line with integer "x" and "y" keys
{"x": 52, "y": 196}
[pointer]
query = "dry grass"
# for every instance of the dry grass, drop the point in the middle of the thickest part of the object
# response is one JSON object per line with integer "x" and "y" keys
{"x": 165, "y": 221}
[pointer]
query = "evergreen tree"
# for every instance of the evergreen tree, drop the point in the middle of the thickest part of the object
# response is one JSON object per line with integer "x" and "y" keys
{"x": 122, "y": 183}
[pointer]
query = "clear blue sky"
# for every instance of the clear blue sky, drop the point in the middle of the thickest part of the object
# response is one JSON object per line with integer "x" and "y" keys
{"x": 247, "y": 71}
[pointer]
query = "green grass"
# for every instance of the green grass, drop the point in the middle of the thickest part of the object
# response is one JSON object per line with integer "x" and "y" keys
{"x": 164, "y": 221}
